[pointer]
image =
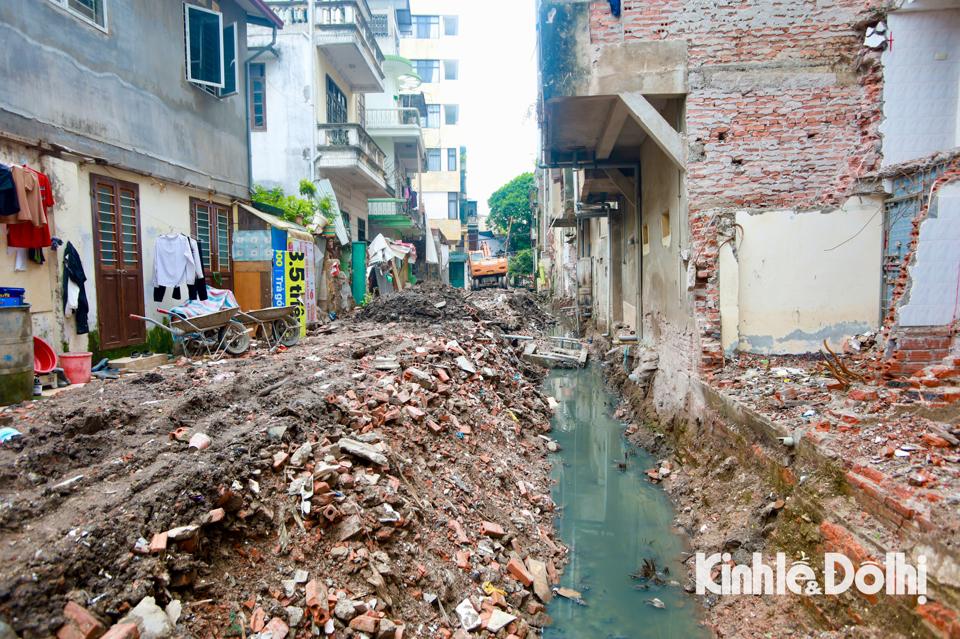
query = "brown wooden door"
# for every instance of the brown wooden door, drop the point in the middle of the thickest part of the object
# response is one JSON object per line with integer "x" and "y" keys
{"x": 212, "y": 226}
{"x": 119, "y": 261}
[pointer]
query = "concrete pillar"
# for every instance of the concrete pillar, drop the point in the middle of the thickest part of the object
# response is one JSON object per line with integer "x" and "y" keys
{"x": 615, "y": 244}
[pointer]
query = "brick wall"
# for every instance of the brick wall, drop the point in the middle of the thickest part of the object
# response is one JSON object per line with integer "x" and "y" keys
{"x": 783, "y": 110}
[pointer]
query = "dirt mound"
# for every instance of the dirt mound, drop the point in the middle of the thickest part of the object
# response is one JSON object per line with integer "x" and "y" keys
{"x": 421, "y": 303}
{"x": 513, "y": 309}
{"x": 376, "y": 475}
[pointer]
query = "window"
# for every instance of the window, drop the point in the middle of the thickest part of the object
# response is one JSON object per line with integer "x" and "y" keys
{"x": 91, "y": 11}
{"x": 451, "y": 25}
{"x": 346, "y": 220}
{"x": 258, "y": 96}
{"x": 361, "y": 230}
{"x": 453, "y": 206}
{"x": 451, "y": 159}
{"x": 433, "y": 116}
{"x": 665, "y": 228}
{"x": 205, "y": 51}
{"x": 230, "y": 67}
{"x": 426, "y": 27}
{"x": 433, "y": 159}
{"x": 428, "y": 70}
{"x": 451, "y": 113}
{"x": 336, "y": 103}
{"x": 451, "y": 69}
{"x": 380, "y": 25}
{"x": 210, "y": 223}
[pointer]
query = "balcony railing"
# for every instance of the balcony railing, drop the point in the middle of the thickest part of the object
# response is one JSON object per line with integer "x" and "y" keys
{"x": 389, "y": 118}
{"x": 334, "y": 16}
{"x": 388, "y": 206}
{"x": 353, "y": 136}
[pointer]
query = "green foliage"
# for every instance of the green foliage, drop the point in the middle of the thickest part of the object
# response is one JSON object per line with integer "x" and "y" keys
{"x": 299, "y": 210}
{"x": 511, "y": 211}
{"x": 521, "y": 263}
{"x": 159, "y": 340}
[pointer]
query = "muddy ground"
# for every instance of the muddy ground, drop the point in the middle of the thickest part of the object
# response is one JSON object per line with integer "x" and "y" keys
{"x": 380, "y": 473}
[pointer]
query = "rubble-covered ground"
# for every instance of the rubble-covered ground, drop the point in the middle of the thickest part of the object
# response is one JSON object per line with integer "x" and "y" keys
{"x": 384, "y": 478}
{"x": 900, "y": 439}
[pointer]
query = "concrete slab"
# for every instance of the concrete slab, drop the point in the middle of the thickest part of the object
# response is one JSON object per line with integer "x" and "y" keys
{"x": 139, "y": 364}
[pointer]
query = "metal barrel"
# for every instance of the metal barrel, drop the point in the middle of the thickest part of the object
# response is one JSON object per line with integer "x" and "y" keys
{"x": 16, "y": 354}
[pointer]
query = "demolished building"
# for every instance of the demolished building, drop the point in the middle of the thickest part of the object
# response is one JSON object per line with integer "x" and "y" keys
{"x": 733, "y": 180}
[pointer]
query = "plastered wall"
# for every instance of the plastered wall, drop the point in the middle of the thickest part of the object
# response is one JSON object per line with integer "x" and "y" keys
{"x": 799, "y": 278}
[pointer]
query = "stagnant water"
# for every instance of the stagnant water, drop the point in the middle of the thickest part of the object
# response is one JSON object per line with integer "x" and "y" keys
{"x": 611, "y": 519}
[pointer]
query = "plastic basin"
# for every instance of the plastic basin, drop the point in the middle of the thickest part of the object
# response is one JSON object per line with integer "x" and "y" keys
{"x": 44, "y": 357}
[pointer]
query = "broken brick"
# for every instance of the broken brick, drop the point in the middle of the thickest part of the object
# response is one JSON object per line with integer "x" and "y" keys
{"x": 519, "y": 572}
{"x": 80, "y": 623}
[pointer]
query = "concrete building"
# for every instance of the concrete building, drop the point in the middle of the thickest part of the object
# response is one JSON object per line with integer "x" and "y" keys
{"x": 432, "y": 43}
{"x": 312, "y": 124}
{"x": 758, "y": 197}
{"x": 137, "y": 113}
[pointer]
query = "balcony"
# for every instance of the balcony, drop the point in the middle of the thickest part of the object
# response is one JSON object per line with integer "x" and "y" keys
{"x": 394, "y": 214}
{"x": 346, "y": 151}
{"x": 402, "y": 124}
{"x": 344, "y": 35}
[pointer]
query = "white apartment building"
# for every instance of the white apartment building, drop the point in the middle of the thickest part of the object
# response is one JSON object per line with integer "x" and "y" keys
{"x": 432, "y": 43}
{"x": 308, "y": 92}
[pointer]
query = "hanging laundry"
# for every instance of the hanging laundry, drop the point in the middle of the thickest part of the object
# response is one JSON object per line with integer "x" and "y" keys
{"x": 178, "y": 260}
{"x": 9, "y": 202}
{"x": 28, "y": 192}
{"x": 75, "y": 291}
{"x": 26, "y": 234}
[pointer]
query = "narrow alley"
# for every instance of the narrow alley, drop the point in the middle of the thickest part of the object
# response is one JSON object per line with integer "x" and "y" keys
{"x": 396, "y": 319}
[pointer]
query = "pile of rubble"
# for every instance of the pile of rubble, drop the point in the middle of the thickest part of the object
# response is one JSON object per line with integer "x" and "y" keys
{"x": 374, "y": 482}
{"x": 425, "y": 302}
{"x": 899, "y": 440}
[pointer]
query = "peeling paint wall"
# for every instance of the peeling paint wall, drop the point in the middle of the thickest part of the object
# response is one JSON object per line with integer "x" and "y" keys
{"x": 103, "y": 93}
{"x": 805, "y": 277}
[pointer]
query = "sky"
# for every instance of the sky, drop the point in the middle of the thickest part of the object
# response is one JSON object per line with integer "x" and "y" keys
{"x": 499, "y": 78}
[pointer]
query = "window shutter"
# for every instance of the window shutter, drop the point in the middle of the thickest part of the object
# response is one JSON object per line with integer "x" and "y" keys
{"x": 204, "y": 46}
{"x": 229, "y": 60}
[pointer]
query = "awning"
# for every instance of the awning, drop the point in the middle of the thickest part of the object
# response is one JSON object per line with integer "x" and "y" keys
{"x": 381, "y": 249}
{"x": 294, "y": 230}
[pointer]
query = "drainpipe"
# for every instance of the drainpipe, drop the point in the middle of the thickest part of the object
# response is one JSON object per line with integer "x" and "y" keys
{"x": 246, "y": 99}
{"x": 311, "y": 17}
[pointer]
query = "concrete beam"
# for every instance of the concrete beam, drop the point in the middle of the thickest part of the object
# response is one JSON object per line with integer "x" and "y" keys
{"x": 616, "y": 120}
{"x": 659, "y": 130}
{"x": 624, "y": 184}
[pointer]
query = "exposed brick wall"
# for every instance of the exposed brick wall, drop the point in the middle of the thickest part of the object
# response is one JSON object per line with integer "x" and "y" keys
{"x": 915, "y": 349}
{"x": 783, "y": 110}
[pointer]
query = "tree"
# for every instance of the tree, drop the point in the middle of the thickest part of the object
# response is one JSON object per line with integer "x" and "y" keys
{"x": 511, "y": 211}
{"x": 521, "y": 263}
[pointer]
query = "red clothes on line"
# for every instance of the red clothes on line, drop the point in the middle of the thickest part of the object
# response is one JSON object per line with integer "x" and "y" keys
{"x": 30, "y": 234}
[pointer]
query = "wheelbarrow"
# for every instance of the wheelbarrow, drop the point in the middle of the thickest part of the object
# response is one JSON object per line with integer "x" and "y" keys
{"x": 277, "y": 325}
{"x": 212, "y": 334}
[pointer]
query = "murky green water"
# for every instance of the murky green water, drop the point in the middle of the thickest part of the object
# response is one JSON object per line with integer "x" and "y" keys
{"x": 611, "y": 520}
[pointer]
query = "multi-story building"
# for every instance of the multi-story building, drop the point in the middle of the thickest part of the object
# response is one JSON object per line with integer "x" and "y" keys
{"x": 320, "y": 115}
{"x": 432, "y": 42}
{"x": 136, "y": 112}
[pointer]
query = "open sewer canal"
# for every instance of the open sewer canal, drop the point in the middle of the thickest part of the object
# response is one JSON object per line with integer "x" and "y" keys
{"x": 612, "y": 520}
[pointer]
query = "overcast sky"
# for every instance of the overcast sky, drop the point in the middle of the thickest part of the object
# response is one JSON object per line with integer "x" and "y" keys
{"x": 499, "y": 77}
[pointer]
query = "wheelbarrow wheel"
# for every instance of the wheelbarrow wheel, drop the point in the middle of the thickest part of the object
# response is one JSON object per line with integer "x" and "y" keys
{"x": 194, "y": 346}
{"x": 286, "y": 330}
{"x": 237, "y": 339}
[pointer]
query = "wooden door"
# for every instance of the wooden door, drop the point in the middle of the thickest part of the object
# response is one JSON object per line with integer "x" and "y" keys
{"x": 119, "y": 261}
{"x": 211, "y": 225}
